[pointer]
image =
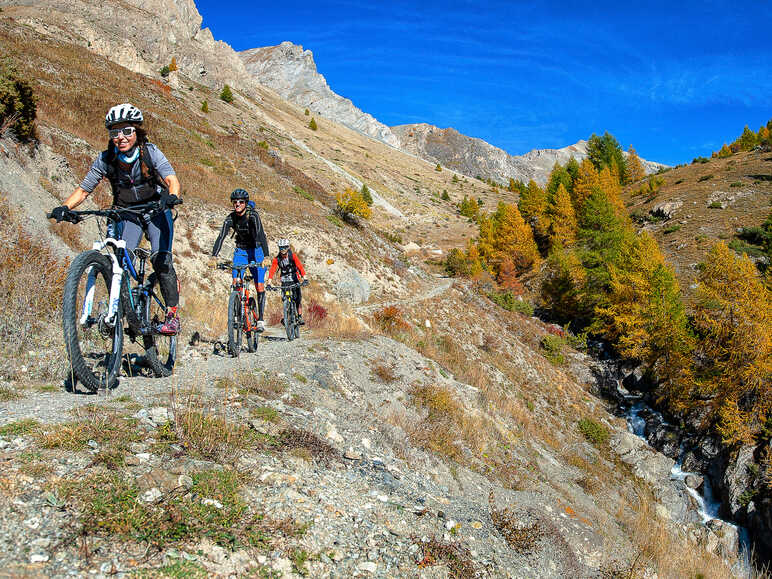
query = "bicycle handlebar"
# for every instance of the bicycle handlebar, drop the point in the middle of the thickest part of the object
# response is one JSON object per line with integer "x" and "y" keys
{"x": 230, "y": 265}
{"x": 275, "y": 288}
{"x": 115, "y": 212}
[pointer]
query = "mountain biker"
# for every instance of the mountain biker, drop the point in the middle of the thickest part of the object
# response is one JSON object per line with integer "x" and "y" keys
{"x": 289, "y": 267}
{"x": 251, "y": 244}
{"x": 138, "y": 172}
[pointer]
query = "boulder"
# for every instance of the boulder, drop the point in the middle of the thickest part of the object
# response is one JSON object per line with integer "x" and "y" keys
{"x": 666, "y": 210}
{"x": 352, "y": 287}
{"x": 738, "y": 478}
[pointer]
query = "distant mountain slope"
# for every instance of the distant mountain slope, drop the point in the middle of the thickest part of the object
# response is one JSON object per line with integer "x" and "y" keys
{"x": 474, "y": 157}
{"x": 291, "y": 71}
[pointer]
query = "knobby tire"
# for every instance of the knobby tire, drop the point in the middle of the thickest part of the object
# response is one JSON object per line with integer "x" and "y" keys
{"x": 252, "y": 339}
{"x": 234, "y": 323}
{"x": 94, "y": 349}
{"x": 160, "y": 349}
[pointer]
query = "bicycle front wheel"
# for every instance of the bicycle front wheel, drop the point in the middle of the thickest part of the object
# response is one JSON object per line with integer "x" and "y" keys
{"x": 251, "y": 323}
{"x": 160, "y": 349}
{"x": 94, "y": 344}
{"x": 288, "y": 321}
{"x": 234, "y": 323}
{"x": 295, "y": 323}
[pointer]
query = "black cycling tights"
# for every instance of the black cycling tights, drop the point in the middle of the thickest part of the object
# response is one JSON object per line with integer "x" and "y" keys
{"x": 167, "y": 278}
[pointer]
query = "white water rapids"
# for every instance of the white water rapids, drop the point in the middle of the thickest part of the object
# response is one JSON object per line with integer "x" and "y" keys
{"x": 708, "y": 506}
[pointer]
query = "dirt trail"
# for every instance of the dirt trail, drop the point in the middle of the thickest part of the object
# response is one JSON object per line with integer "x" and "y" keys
{"x": 443, "y": 284}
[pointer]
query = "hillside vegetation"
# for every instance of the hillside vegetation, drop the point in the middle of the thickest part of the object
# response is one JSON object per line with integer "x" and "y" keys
{"x": 417, "y": 428}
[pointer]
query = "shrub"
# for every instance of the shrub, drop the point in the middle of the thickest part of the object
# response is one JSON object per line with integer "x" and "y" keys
{"x": 302, "y": 192}
{"x": 263, "y": 145}
{"x": 390, "y": 319}
{"x": 705, "y": 178}
{"x": 353, "y": 202}
{"x": 671, "y": 229}
{"x": 204, "y": 106}
{"x": 553, "y": 348}
{"x": 164, "y": 70}
{"x": 438, "y": 168}
{"x": 445, "y": 196}
{"x": 715, "y": 205}
{"x": 315, "y": 314}
{"x": 736, "y": 184}
{"x": 700, "y": 160}
{"x": 366, "y": 195}
{"x": 312, "y": 124}
{"x": 511, "y": 303}
{"x": 594, "y": 432}
{"x": 18, "y": 106}
{"x": 226, "y": 94}
{"x": 307, "y": 112}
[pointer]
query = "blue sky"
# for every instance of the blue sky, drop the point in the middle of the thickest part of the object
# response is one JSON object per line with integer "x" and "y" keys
{"x": 674, "y": 79}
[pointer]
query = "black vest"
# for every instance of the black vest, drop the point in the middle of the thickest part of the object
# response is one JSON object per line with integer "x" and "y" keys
{"x": 287, "y": 268}
{"x": 128, "y": 191}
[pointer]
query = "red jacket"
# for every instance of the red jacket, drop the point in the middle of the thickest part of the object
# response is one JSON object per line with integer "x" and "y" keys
{"x": 294, "y": 261}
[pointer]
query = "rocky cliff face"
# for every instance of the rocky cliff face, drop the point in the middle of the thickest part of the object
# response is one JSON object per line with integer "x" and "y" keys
{"x": 474, "y": 157}
{"x": 291, "y": 71}
{"x": 140, "y": 35}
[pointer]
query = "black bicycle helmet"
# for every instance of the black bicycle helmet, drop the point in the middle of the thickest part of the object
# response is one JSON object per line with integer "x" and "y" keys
{"x": 239, "y": 194}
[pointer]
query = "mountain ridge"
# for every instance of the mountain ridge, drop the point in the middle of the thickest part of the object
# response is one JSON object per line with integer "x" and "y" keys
{"x": 475, "y": 157}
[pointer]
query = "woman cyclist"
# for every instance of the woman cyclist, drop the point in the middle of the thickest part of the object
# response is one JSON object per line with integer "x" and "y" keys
{"x": 138, "y": 172}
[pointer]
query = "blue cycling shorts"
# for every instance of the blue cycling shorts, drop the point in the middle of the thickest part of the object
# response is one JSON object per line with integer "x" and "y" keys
{"x": 245, "y": 256}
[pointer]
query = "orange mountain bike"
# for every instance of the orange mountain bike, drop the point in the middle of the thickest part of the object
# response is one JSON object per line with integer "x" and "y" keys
{"x": 242, "y": 310}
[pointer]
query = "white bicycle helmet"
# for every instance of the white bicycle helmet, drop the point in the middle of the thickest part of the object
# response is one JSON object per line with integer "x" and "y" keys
{"x": 284, "y": 244}
{"x": 125, "y": 113}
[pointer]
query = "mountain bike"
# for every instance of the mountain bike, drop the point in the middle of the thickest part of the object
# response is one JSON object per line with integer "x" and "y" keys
{"x": 242, "y": 310}
{"x": 289, "y": 307}
{"x": 104, "y": 285}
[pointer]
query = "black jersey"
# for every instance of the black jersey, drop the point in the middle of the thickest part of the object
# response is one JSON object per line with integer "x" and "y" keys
{"x": 248, "y": 230}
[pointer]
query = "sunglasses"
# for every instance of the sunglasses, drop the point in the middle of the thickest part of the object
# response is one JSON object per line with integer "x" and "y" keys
{"x": 239, "y": 202}
{"x": 125, "y": 131}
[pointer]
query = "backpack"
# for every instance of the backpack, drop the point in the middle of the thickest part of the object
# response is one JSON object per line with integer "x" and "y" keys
{"x": 147, "y": 168}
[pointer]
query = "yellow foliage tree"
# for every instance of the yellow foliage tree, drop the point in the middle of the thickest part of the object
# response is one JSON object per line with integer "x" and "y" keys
{"x": 562, "y": 219}
{"x": 532, "y": 206}
{"x": 586, "y": 180}
{"x": 173, "y": 64}
{"x": 724, "y": 152}
{"x": 644, "y": 314}
{"x": 514, "y": 238}
{"x": 733, "y": 316}
{"x": 351, "y": 201}
{"x": 634, "y": 170}
{"x": 609, "y": 184}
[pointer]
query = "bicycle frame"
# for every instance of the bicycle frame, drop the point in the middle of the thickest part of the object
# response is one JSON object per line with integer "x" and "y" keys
{"x": 115, "y": 283}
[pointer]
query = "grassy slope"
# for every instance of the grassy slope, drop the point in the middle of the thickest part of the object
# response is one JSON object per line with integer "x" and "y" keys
{"x": 741, "y": 183}
{"x": 525, "y": 409}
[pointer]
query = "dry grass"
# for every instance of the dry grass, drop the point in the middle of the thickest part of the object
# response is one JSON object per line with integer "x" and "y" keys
{"x": 207, "y": 434}
{"x": 307, "y": 445}
{"x": 658, "y": 547}
{"x": 384, "y": 370}
{"x": 457, "y": 557}
{"x": 31, "y": 282}
{"x": 205, "y": 309}
{"x": 70, "y": 234}
{"x": 267, "y": 385}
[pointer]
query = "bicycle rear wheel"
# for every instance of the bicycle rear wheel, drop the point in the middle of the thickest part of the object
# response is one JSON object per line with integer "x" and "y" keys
{"x": 160, "y": 349}
{"x": 93, "y": 345}
{"x": 234, "y": 323}
{"x": 251, "y": 323}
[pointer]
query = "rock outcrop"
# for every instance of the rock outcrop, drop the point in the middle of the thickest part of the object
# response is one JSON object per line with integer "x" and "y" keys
{"x": 475, "y": 157}
{"x": 291, "y": 71}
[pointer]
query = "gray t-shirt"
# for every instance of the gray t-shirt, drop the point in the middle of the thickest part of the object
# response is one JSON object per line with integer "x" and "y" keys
{"x": 98, "y": 169}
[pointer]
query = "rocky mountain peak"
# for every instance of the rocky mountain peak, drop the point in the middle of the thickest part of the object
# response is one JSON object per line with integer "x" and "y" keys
{"x": 475, "y": 157}
{"x": 291, "y": 71}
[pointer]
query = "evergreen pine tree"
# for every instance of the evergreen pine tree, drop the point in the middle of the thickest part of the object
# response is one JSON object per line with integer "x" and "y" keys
{"x": 226, "y": 94}
{"x": 366, "y": 195}
{"x": 312, "y": 124}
